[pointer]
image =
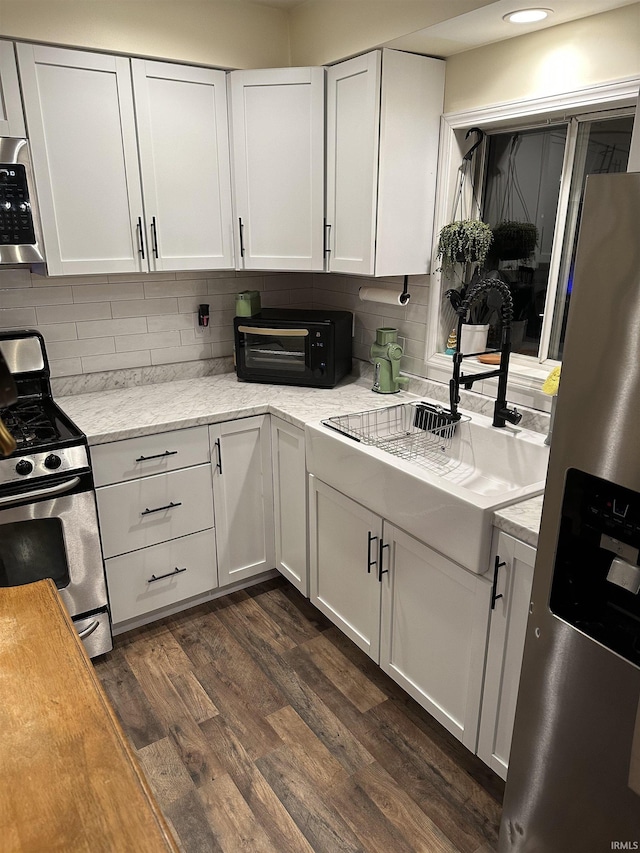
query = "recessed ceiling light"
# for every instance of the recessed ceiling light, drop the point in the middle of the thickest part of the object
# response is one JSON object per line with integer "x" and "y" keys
{"x": 527, "y": 16}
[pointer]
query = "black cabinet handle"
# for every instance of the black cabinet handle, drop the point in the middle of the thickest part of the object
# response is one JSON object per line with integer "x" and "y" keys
{"x": 494, "y": 587}
{"x": 327, "y": 238}
{"x": 157, "y": 456}
{"x": 154, "y": 234}
{"x": 382, "y": 571}
{"x": 176, "y": 571}
{"x": 170, "y": 505}
{"x": 140, "y": 233}
{"x": 219, "y": 454}
{"x": 241, "y": 227}
{"x": 370, "y": 562}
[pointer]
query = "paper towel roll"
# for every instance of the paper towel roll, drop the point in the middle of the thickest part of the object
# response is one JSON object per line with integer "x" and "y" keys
{"x": 382, "y": 294}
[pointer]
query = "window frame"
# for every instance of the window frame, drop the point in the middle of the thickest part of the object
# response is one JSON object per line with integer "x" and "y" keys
{"x": 526, "y": 373}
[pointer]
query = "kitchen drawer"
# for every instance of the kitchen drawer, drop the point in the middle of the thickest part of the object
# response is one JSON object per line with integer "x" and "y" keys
{"x": 149, "y": 454}
{"x": 130, "y": 578}
{"x": 154, "y": 509}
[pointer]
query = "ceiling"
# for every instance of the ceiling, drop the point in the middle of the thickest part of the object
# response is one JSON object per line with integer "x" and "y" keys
{"x": 483, "y": 25}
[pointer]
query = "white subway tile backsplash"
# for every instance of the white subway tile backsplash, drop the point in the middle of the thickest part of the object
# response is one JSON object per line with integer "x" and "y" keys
{"x": 33, "y": 296}
{"x": 106, "y": 328}
{"x": 77, "y": 349}
{"x": 108, "y": 292}
{"x": 170, "y": 322}
{"x": 206, "y": 335}
{"x": 15, "y": 278}
{"x": 249, "y": 281}
{"x": 115, "y": 361}
{"x": 65, "y": 366}
{"x": 189, "y": 287}
{"x": 71, "y": 313}
{"x": 144, "y": 307}
{"x": 17, "y": 318}
{"x": 59, "y": 332}
{"x": 157, "y": 340}
{"x": 172, "y": 355}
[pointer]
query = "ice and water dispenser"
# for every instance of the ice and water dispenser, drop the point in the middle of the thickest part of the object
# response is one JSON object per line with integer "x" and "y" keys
{"x": 596, "y": 578}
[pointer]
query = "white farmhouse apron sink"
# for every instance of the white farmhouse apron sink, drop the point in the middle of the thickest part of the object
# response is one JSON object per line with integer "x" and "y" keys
{"x": 447, "y": 499}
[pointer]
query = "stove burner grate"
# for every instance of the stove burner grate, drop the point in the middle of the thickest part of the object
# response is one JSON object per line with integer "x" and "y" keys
{"x": 29, "y": 424}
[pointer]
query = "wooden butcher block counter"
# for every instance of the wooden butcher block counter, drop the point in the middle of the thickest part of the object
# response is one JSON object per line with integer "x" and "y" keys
{"x": 68, "y": 778}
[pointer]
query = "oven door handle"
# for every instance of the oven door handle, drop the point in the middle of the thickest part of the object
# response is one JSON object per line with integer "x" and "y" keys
{"x": 86, "y": 632}
{"x": 280, "y": 333}
{"x": 41, "y": 493}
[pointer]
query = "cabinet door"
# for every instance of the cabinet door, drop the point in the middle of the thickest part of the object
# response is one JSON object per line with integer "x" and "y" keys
{"x": 79, "y": 112}
{"x": 506, "y": 646}
{"x": 344, "y": 539}
{"x": 243, "y": 497}
{"x": 434, "y": 630}
{"x": 11, "y": 117}
{"x": 181, "y": 115}
{"x": 353, "y": 120}
{"x": 290, "y": 502}
{"x": 277, "y": 129}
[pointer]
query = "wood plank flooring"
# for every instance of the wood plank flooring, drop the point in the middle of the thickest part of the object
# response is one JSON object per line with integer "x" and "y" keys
{"x": 261, "y": 728}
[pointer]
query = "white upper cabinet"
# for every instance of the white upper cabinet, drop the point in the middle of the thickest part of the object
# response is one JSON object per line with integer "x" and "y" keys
{"x": 88, "y": 167}
{"x": 11, "y": 117}
{"x": 79, "y": 111}
{"x": 383, "y": 121}
{"x": 181, "y": 114}
{"x": 277, "y": 132}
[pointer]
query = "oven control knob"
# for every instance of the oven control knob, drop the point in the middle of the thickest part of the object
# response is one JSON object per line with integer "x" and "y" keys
{"x": 24, "y": 467}
{"x": 319, "y": 371}
{"x": 52, "y": 462}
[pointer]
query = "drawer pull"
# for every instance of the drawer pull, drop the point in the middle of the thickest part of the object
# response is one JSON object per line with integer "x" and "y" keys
{"x": 157, "y": 456}
{"x": 176, "y": 571}
{"x": 170, "y": 505}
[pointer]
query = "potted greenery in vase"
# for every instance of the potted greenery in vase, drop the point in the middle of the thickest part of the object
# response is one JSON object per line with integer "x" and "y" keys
{"x": 513, "y": 241}
{"x": 465, "y": 241}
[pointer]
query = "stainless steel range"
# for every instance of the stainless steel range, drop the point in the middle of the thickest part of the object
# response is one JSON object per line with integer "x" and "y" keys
{"x": 48, "y": 521}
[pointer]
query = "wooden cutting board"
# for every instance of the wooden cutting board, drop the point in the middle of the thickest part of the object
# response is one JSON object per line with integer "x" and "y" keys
{"x": 70, "y": 780}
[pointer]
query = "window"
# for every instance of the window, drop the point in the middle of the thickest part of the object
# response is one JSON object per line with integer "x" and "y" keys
{"x": 522, "y": 180}
{"x": 533, "y": 170}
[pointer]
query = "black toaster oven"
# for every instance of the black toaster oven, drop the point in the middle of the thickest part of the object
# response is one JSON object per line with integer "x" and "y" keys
{"x": 294, "y": 346}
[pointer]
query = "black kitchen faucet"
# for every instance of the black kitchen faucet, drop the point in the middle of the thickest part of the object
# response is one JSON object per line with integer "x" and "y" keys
{"x": 501, "y": 411}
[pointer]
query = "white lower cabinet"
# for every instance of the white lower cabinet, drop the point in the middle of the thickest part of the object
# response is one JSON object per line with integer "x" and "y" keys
{"x": 155, "y": 508}
{"x": 243, "y": 497}
{"x": 418, "y": 614}
{"x": 434, "y": 628}
{"x": 161, "y": 575}
{"x": 512, "y": 563}
{"x": 290, "y": 502}
{"x": 344, "y": 541}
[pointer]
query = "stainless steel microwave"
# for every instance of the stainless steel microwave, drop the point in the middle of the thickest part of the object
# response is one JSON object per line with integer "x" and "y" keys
{"x": 294, "y": 347}
{"x": 20, "y": 234}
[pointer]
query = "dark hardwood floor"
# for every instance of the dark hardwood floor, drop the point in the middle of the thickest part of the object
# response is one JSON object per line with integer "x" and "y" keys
{"x": 261, "y": 728}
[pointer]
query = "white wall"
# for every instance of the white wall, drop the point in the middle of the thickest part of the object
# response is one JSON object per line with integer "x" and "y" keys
{"x": 236, "y": 34}
{"x": 559, "y": 59}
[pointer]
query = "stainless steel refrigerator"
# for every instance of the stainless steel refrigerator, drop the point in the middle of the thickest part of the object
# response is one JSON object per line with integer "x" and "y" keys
{"x": 574, "y": 769}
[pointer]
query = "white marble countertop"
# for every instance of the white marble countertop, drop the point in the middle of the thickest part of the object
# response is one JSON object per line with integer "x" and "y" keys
{"x": 143, "y": 410}
{"x": 521, "y": 520}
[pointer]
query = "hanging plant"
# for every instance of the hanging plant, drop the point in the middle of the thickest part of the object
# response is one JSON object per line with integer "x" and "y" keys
{"x": 465, "y": 241}
{"x": 514, "y": 241}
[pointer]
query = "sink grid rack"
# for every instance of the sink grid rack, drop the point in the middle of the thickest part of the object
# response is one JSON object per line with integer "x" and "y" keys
{"x": 418, "y": 432}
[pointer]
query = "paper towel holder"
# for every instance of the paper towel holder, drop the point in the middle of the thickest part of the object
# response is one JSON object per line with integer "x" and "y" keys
{"x": 379, "y": 294}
